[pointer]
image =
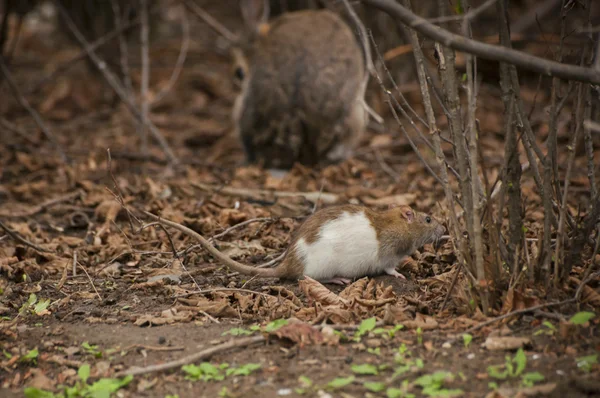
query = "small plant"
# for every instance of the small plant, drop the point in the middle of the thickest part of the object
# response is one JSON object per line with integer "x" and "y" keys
{"x": 513, "y": 368}
{"x": 365, "y": 327}
{"x": 374, "y": 351}
{"x": 419, "y": 336}
{"x": 467, "y": 338}
{"x": 274, "y": 325}
{"x": 365, "y": 369}
{"x": 237, "y": 332}
{"x": 530, "y": 378}
{"x": 305, "y": 385}
{"x": 31, "y": 356}
{"x": 405, "y": 362}
{"x": 582, "y": 317}
{"x": 340, "y": 382}
{"x": 374, "y": 386}
{"x": 91, "y": 349}
{"x": 206, "y": 371}
{"x": 586, "y": 363}
{"x": 101, "y": 388}
{"x": 549, "y": 329}
{"x": 433, "y": 384}
{"x": 389, "y": 332}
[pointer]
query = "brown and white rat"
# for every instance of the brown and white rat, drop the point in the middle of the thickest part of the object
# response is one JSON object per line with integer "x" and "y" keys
{"x": 341, "y": 243}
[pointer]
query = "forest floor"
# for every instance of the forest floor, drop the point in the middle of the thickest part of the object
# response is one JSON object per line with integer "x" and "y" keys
{"x": 99, "y": 290}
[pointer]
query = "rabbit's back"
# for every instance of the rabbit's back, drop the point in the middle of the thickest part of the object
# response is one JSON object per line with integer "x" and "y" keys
{"x": 303, "y": 99}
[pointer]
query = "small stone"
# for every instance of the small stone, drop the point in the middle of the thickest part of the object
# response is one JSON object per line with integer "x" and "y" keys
{"x": 446, "y": 345}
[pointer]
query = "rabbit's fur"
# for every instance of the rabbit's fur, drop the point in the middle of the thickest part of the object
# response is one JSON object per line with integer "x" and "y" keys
{"x": 303, "y": 85}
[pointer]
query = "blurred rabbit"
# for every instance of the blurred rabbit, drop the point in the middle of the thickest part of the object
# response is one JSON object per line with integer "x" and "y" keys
{"x": 303, "y": 80}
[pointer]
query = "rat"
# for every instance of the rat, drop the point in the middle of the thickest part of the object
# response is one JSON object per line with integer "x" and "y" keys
{"x": 340, "y": 243}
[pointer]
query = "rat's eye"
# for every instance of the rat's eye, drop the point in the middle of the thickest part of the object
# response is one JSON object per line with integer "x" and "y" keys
{"x": 239, "y": 73}
{"x": 428, "y": 220}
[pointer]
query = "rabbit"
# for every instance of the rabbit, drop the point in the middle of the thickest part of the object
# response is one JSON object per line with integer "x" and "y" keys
{"x": 303, "y": 79}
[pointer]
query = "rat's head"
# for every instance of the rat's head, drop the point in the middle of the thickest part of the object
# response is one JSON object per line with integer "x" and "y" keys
{"x": 412, "y": 226}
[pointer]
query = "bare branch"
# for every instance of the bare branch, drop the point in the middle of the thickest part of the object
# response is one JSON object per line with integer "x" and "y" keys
{"x": 25, "y": 104}
{"x": 486, "y": 51}
{"x": 211, "y": 21}
{"x": 114, "y": 83}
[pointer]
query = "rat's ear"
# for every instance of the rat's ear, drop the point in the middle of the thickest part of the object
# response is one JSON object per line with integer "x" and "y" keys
{"x": 408, "y": 213}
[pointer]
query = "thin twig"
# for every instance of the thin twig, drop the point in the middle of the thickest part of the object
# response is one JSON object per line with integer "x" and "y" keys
{"x": 115, "y": 85}
{"x": 326, "y": 197}
{"x": 272, "y": 262}
{"x": 90, "y": 279}
{"x": 202, "y": 355}
{"x": 211, "y": 21}
{"x": 22, "y": 240}
{"x": 222, "y": 289}
{"x": 25, "y": 104}
{"x": 517, "y": 312}
{"x": 145, "y": 76}
{"x": 466, "y": 17}
{"x": 391, "y": 99}
{"x": 185, "y": 44}
{"x": 74, "y": 270}
{"x": 240, "y": 225}
{"x": 83, "y": 53}
{"x": 122, "y": 46}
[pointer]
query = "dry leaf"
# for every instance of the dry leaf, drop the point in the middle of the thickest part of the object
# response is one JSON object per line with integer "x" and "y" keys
{"x": 505, "y": 343}
{"x": 316, "y": 292}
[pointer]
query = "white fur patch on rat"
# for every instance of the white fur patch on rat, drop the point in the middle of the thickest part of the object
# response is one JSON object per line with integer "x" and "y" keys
{"x": 346, "y": 247}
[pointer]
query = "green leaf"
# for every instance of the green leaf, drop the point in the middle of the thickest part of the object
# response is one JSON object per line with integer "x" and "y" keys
{"x": 206, "y": 371}
{"x": 32, "y": 299}
{"x": 529, "y": 379}
{"x": 374, "y": 386}
{"x": 397, "y": 393}
{"x": 582, "y": 317}
{"x": 586, "y": 363}
{"x": 237, "y": 332}
{"x": 496, "y": 373}
{"x": 84, "y": 372}
{"x": 31, "y": 356}
{"x": 434, "y": 379}
{"x": 549, "y": 325}
{"x": 305, "y": 381}
{"x": 365, "y": 327}
{"x": 106, "y": 387}
{"x": 374, "y": 351}
{"x": 365, "y": 369}
{"x": 276, "y": 324}
{"x": 340, "y": 382}
{"x": 467, "y": 338}
{"x": 243, "y": 370}
{"x": 493, "y": 385}
{"x": 41, "y": 306}
{"x": 31, "y": 392}
{"x": 521, "y": 361}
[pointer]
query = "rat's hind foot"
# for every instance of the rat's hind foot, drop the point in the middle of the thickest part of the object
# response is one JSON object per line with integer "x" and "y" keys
{"x": 393, "y": 272}
{"x": 338, "y": 281}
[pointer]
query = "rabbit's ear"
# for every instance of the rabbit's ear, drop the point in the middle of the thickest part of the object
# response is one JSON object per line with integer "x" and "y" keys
{"x": 255, "y": 13}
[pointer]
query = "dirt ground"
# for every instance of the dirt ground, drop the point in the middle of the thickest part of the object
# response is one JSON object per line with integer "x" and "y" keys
{"x": 117, "y": 297}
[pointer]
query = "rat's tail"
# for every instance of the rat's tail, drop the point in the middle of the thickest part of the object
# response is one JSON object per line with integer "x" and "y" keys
{"x": 239, "y": 267}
